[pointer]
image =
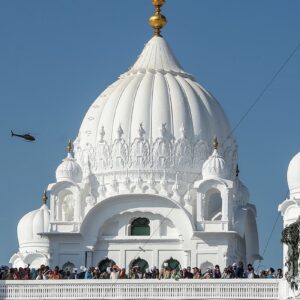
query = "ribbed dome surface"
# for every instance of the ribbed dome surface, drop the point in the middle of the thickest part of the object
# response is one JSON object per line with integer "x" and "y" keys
{"x": 215, "y": 166}
{"x": 69, "y": 170}
{"x": 33, "y": 223}
{"x": 155, "y": 91}
{"x": 154, "y": 118}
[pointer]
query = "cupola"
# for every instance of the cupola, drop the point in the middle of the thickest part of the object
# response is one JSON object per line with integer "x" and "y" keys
{"x": 69, "y": 169}
{"x": 215, "y": 165}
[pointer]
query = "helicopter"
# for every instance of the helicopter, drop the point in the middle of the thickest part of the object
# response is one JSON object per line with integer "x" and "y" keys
{"x": 28, "y": 137}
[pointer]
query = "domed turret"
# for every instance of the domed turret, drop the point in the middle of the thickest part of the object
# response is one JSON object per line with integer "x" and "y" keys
{"x": 69, "y": 169}
{"x": 215, "y": 166}
{"x": 293, "y": 175}
{"x": 33, "y": 246}
{"x": 33, "y": 223}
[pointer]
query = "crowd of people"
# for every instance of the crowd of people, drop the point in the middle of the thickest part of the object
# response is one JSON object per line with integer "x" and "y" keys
{"x": 136, "y": 272}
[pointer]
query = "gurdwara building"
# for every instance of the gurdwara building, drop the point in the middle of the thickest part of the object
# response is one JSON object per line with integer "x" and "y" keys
{"x": 151, "y": 179}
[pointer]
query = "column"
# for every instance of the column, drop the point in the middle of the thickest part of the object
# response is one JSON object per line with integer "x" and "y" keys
{"x": 199, "y": 216}
{"x": 224, "y": 196}
{"x": 186, "y": 258}
{"x": 77, "y": 206}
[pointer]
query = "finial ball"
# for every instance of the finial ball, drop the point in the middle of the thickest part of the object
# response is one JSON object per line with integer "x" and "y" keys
{"x": 158, "y": 2}
{"x": 157, "y": 21}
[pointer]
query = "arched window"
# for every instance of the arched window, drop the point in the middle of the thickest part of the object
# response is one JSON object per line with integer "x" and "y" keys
{"x": 213, "y": 205}
{"x": 140, "y": 226}
{"x": 68, "y": 266}
{"x": 139, "y": 263}
{"x": 206, "y": 265}
{"x": 172, "y": 263}
{"x": 105, "y": 263}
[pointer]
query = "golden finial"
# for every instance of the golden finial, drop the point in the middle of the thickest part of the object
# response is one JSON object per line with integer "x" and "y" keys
{"x": 157, "y": 21}
{"x": 69, "y": 146}
{"x": 215, "y": 143}
{"x": 237, "y": 170}
{"x": 45, "y": 198}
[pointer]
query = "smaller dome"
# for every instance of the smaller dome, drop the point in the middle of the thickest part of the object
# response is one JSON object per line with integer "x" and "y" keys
{"x": 69, "y": 170}
{"x": 215, "y": 166}
{"x": 293, "y": 174}
{"x": 31, "y": 225}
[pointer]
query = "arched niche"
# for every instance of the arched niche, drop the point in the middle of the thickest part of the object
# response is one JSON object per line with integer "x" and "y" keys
{"x": 172, "y": 264}
{"x": 105, "y": 263}
{"x": 139, "y": 263}
{"x": 118, "y": 205}
{"x": 66, "y": 206}
{"x": 64, "y": 196}
{"x": 206, "y": 265}
{"x": 213, "y": 205}
{"x": 68, "y": 266}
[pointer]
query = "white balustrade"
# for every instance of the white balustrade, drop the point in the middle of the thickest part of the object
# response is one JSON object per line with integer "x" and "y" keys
{"x": 140, "y": 289}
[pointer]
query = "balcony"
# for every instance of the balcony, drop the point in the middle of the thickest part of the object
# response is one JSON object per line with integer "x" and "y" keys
{"x": 143, "y": 289}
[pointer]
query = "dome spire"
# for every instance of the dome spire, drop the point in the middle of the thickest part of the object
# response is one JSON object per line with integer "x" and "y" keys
{"x": 45, "y": 198}
{"x": 157, "y": 21}
{"x": 69, "y": 147}
{"x": 215, "y": 143}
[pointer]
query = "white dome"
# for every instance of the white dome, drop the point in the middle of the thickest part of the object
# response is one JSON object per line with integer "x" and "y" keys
{"x": 69, "y": 170}
{"x": 215, "y": 166}
{"x": 155, "y": 116}
{"x": 33, "y": 223}
{"x": 293, "y": 174}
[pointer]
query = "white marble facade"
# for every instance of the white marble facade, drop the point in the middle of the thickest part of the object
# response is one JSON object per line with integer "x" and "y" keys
{"x": 145, "y": 150}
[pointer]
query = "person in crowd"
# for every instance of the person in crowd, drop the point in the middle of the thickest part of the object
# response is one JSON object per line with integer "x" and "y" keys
{"x": 250, "y": 272}
{"x": 189, "y": 274}
{"x": 115, "y": 272}
{"x": 155, "y": 273}
{"x": 123, "y": 274}
{"x": 240, "y": 273}
{"x": 234, "y": 270}
{"x": 196, "y": 273}
{"x": 216, "y": 272}
{"x": 227, "y": 273}
{"x": 55, "y": 275}
{"x": 39, "y": 275}
{"x": 10, "y": 275}
{"x": 174, "y": 274}
{"x": 89, "y": 273}
{"x": 271, "y": 273}
{"x": 279, "y": 273}
{"x": 96, "y": 273}
{"x": 208, "y": 274}
{"x": 45, "y": 273}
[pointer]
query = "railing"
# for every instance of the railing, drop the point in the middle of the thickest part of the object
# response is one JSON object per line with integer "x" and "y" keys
{"x": 140, "y": 289}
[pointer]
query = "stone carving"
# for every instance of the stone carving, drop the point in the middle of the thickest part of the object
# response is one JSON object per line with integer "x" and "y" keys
{"x": 140, "y": 150}
{"x": 162, "y": 150}
{"x": 183, "y": 154}
{"x": 102, "y": 154}
{"x": 120, "y": 151}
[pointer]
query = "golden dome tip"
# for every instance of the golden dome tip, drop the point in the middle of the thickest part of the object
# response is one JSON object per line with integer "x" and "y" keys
{"x": 157, "y": 21}
{"x": 69, "y": 146}
{"x": 45, "y": 198}
{"x": 215, "y": 143}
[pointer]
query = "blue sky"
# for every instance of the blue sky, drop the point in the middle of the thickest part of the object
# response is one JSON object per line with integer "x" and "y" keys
{"x": 57, "y": 56}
